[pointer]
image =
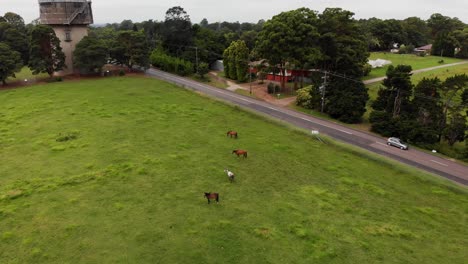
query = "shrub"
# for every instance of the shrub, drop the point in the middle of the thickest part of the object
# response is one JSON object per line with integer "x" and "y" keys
{"x": 304, "y": 97}
{"x": 171, "y": 64}
{"x": 271, "y": 88}
{"x": 121, "y": 72}
{"x": 55, "y": 79}
{"x": 277, "y": 88}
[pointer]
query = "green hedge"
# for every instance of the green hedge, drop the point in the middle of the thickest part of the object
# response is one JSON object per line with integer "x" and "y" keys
{"x": 171, "y": 64}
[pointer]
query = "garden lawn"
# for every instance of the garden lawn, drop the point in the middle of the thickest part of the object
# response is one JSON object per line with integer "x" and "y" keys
{"x": 114, "y": 170}
{"x": 416, "y": 62}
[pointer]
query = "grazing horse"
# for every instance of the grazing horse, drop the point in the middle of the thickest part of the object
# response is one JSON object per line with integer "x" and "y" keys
{"x": 230, "y": 175}
{"x": 239, "y": 152}
{"x": 210, "y": 196}
{"x": 231, "y": 134}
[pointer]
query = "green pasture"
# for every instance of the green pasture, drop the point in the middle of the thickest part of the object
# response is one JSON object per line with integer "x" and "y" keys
{"x": 114, "y": 170}
{"x": 416, "y": 62}
{"x": 442, "y": 74}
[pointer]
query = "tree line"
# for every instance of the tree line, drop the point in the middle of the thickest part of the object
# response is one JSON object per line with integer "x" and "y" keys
{"x": 332, "y": 42}
{"x": 449, "y": 36}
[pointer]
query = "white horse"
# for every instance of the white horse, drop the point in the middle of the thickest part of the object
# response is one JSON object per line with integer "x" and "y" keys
{"x": 230, "y": 174}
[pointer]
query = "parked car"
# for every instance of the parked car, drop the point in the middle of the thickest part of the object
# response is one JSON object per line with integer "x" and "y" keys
{"x": 396, "y": 142}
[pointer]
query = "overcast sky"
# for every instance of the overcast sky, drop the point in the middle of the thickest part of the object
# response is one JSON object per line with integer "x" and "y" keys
{"x": 108, "y": 11}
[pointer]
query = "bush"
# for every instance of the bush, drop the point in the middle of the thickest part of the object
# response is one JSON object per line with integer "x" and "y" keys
{"x": 271, "y": 88}
{"x": 55, "y": 79}
{"x": 121, "y": 72}
{"x": 304, "y": 97}
{"x": 277, "y": 89}
{"x": 171, "y": 64}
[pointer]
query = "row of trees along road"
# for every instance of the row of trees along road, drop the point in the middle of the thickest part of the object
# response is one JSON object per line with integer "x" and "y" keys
{"x": 332, "y": 41}
{"x": 424, "y": 114}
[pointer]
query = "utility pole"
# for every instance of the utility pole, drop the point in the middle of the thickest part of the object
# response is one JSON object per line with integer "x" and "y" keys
{"x": 323, "y": 88}
{"x": 196, "y": 58}
{"x": 250, "y": 77}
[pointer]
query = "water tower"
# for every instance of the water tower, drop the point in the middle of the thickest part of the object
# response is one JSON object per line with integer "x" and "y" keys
{"x": 70, "y": 20}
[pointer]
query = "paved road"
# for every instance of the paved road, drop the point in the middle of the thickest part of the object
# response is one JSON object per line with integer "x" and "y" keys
{"x": 419, "y": 71}
{"x": 440, "y": 166}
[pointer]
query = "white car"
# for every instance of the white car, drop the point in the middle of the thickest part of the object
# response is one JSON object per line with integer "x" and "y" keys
{"x": 396, "y": 142}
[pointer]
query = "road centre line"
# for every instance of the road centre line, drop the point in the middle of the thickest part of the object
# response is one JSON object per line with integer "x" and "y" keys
{"x": 440, "y": 163}
{"x": 381, "y": 143}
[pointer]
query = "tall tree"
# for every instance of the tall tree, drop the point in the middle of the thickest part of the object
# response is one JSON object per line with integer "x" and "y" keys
{"x": 456, "y": 129}
{"x": 290, "y": 37}
{"x": 14, "y": 33}
{"x": 10, "y": 62}
{"x": 425, "y": 111}
{"x": 346, "y": 100}
{"x": 131, "y": 48}
{"x": 461, "y": 37}
{"x": 397, "y": 90}
{"x": 15, "y": 20}
{"x": 46, "y": 54}
{"x": 90, "y": 55}
{"x": 426, "y": 104}
{"x": 388, "y": 32}
{"x": 343, "y": 45}
{"x": 417, "y": 31}
{"x": 126, "y": 24}
{"x": 451, "y": 89}
{"x": 241, "y": 53}
{"x": 177, "y": 30}
{"x": 236, "y": 59}
{"x": 210, "y": 44}
{"x": 441, "y": 30}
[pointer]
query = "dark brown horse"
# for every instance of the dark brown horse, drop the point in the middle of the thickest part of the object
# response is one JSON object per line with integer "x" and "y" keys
{"x": 231, "y": 134}
{"x": 240, "y": 152}
{"x": 210, "y": 196}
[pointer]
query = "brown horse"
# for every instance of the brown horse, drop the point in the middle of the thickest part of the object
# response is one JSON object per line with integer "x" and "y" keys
{"x": 210, "y": 196}
{"x": 240, "y": 152}
{"x": 231, "y": 134}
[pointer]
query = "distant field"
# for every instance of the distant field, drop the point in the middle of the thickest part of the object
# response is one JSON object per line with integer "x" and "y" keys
{"x": 442, "y": 74}
{"x": 26, "y": 73}
{"x": 416, "y": 62}
{"x": 114, "y": 170}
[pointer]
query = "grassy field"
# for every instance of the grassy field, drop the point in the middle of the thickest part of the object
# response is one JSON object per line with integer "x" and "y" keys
{"x": 26, "y": 73}
{"x": 442, "y": 74}
{"x": 114, "y": 170}
{"x": 416, "y": 62}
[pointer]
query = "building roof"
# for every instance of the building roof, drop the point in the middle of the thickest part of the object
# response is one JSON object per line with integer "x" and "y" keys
{"x": 426, "y": 47}
{"x": 65, "y": 12}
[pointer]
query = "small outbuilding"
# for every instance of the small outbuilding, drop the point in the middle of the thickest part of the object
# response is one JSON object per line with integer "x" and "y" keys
{"x": 426, "y": 50}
